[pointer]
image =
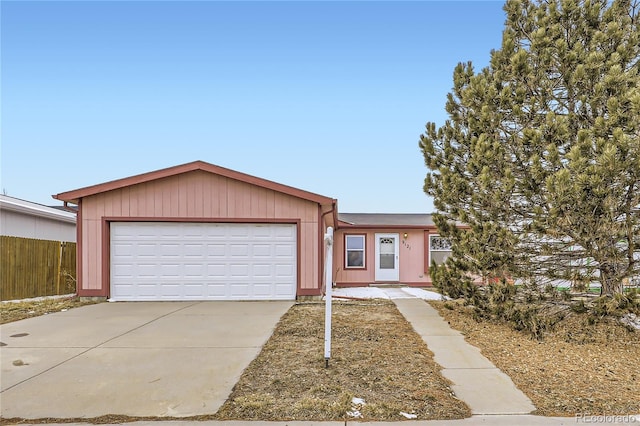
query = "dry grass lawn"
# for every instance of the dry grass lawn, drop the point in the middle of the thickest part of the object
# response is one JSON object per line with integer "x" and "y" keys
{"x": 577, "y": 368}
{"x": 376, "y": 356}
{"x": 15, "y": 311}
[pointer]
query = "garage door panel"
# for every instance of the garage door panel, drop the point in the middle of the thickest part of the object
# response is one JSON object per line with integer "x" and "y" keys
{"x": 144, "y": 249}
{"x": 216, "y": 291}
{"x": 194, "y": 250}
{"x": 284, "y": 250}
{"x": 262, "y": 250}
{"x": 261, "y": 290}
{"x": 261, "y": 271}
{"x": 263, "y": 232}
{"x": 284, "y": 271}
{"x": 239, "y": 270}
{"x": 202, "y": 261}
{"x": 195, "y": 270}
{"x": 194, "y": 290}
{"x": 171, "y": 290}
{"x": 239, "y": 289}
{"x": 282, "y": 289}
{"x": 215, "y": 250}
{"x": 238, "y": 250}
{"x": 215, "y": 271}
{"x": 215, "y": 233}
{"x": 240, "y": 232}
{"x": 143, "y": 289}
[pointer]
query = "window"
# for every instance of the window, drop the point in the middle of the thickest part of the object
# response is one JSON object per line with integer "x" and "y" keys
{"x": 354, "y": 251}
{"x": 439, "y": 248}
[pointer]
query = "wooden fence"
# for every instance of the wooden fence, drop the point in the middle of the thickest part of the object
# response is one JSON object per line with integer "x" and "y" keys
{"x": 33, "y": 268}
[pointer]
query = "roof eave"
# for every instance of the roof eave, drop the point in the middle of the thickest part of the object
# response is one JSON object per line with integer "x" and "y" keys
{"x": 77, "y": 194}
{"x": 33, "y": 209}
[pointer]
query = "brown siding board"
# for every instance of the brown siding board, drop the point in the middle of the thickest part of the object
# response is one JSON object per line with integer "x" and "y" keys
{"x": 125, "y": 207}
{"x": 156, "y": 200}
{"x": 199, "y": 194}
{"x": 142, "y": 199}
{"x": 93, "y": 275}
{"x": 224, "y": 197}
{"x": 174, "y": 200}
{"x": 271, "y": 204}
{"x": 113, "y": 208}
{"x": 216, "y": 192}
{"x": 192, "y": 196}
{"x": 182, "y": 196}
{"x": 133, "y": 200}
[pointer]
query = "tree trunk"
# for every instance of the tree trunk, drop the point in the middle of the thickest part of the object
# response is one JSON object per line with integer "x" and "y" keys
{"x": 610, "y": 281}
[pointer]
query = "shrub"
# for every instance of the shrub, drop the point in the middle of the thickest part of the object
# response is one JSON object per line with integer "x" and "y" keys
{"x": 618, "y": 305}
{"x": 451, "y": 281}
{"x": 579, "y": 307}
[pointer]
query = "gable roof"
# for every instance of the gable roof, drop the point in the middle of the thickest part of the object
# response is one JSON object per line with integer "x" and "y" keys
{"x": 386, "y": 219}
{"x": 75, "y": 195}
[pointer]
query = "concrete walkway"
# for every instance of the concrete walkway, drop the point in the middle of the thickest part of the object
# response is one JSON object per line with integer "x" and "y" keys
{"x": 476, "y": 381}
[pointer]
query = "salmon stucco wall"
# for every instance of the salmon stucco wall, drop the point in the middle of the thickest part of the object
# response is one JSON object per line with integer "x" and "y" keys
{"x": 413, "y": 257}
{"x": 195, "y": 195}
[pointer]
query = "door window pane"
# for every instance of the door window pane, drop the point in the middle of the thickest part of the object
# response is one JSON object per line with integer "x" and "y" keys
{"x": 387, "y": 261}
{"x": 387, "y": 253}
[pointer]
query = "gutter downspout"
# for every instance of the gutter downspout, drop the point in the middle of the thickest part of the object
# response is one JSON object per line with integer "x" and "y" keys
{"x": 334, "y": 211}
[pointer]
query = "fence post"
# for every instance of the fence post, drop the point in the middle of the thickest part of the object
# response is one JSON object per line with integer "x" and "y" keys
{"x": 328, "y": 283}
{"x": 59, "y": 269}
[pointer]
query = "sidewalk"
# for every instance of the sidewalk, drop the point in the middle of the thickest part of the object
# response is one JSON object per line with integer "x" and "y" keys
{"x": 476, "y": 381}
{"x": 470, "y": 421}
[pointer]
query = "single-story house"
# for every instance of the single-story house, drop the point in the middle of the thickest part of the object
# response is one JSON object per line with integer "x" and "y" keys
{"x": 21, "y": 218}
{"x": 386, "y": 248}
{"x": 198, "y": 231}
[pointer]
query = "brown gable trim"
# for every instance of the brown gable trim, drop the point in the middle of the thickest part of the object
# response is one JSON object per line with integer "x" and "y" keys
{"x": 75, "y": 195}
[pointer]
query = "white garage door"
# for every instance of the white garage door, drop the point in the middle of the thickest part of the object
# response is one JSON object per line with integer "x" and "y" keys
{"x": 202, "y": 261}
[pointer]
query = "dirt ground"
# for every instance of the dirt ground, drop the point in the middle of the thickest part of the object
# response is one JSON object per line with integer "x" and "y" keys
{"x": 15, "y": 311}
{"x": 376, "y": 356}
{"x": 577, "y": 368}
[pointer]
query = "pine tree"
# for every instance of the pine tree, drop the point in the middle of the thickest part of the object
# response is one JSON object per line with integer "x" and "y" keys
{"x": 540, "y": 156}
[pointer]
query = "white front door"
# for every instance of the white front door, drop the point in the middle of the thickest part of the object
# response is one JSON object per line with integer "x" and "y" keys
{"x": 387, "y": 257}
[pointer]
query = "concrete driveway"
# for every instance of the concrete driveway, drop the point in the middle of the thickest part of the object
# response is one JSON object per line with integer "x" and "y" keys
{"x": 136, "y": 359}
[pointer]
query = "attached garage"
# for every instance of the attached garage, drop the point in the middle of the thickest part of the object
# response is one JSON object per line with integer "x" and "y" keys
{"x": 202, "y": 261}
{"x": 199, "y": 232}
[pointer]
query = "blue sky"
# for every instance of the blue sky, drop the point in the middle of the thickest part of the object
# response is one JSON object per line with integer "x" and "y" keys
{"x": 326, "y": 96}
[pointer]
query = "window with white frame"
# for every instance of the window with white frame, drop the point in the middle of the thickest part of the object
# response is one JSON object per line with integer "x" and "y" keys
{"x": 354, "y": 251}
{"x": 439, "y": 248}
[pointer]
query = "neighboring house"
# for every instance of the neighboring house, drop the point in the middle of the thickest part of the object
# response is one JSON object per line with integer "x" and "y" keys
{"x": 20, "y": 218}
{"x": 203, "y": 232}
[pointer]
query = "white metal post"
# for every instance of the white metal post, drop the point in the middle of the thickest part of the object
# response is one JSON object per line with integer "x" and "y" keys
{"x": 328, "y": 283}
